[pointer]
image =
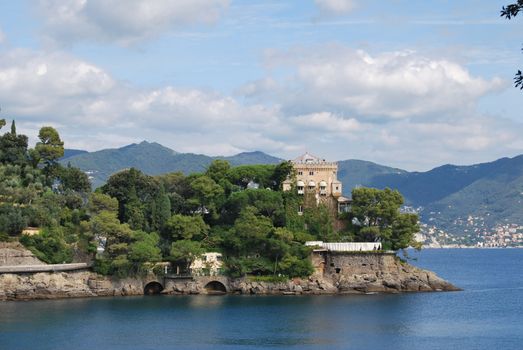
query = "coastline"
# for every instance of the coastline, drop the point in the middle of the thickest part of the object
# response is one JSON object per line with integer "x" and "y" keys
{"x": 363, "y": 273}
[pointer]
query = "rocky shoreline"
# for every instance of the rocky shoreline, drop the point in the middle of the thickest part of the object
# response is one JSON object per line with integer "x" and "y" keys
{"x": 377, "y": 274}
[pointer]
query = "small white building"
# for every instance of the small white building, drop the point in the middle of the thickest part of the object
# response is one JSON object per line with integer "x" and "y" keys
{"x": 345, "y": 246}
{"x": 208, "y": 264}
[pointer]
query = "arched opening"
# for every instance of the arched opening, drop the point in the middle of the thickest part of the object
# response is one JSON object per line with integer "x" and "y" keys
{"x": 215, "y": 287}
{"x": 152, "y": 288}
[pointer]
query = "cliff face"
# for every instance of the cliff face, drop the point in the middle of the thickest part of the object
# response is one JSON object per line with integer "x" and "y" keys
{"x": 14, "y": 254}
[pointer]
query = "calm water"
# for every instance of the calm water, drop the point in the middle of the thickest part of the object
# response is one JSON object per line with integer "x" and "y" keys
{"x": 487, "y": 315}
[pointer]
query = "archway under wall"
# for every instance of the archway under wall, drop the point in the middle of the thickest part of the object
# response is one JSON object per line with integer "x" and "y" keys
{"x": 152, "y": 288}
{"x": 215, "y": 287}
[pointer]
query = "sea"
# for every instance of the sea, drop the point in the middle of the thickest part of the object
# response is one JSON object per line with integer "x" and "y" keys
{"x": 487, "y": 314}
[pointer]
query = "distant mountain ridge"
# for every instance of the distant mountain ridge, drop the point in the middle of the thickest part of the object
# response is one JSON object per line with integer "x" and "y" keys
{"x": 492, "y": 190}
{"x": 153, "y": 159}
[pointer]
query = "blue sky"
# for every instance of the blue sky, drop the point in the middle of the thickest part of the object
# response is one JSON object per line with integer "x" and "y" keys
{"x": 411, "y": 84}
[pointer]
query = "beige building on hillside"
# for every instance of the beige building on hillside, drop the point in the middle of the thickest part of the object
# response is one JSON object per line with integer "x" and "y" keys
{"x": 317, "y": 178}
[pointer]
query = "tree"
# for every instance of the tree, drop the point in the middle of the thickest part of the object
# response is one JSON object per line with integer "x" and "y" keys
{"x": 138, "y": 195}
{"x": 185, "y": 252}
{"x": 375, "y": 216}
{"x": 319, "y": 223}
{"x": 268, "y": 203}
{"x": 145, "y": 247}
{"x": 180, "y": 227}
{"x": 218, "y": 169}
{"x": 73, "y": 179}
{"x": 13, "y": 147}
{"x": 12, "y": 220}
{"x": 206, "y": 192}
{"x": 280, "y": 174}
{"x": 99, "y": 202}
{"x": 50, "y": 148}
{"x": 510, "y": 11}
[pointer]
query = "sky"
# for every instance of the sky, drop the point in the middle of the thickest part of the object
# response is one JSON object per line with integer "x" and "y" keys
{"x": 409, "y": 84}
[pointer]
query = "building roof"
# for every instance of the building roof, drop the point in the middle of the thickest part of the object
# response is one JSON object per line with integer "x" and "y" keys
{"x": 308, "y": 158}
{"x": 342, "y": 199}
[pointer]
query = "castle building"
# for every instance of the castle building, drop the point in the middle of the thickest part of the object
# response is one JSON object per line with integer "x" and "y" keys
{"x": 317, "y": 178}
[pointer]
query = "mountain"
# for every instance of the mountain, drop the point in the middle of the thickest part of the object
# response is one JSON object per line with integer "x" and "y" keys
{"x": 463, "y": 198}
{"x": 71, "y": 153}
{"x": 353, "y": 173}
{"x": 249, "y": 158}
{"x": 153, "y": 159}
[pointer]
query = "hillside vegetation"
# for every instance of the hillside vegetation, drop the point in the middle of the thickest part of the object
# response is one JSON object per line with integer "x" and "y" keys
{"x": 135, "y": 220}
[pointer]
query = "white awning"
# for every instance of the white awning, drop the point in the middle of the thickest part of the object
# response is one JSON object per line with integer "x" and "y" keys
{"x": 312, "y": 184}
{"x": 323, "y": 184}
{"x": 300, "y": 183}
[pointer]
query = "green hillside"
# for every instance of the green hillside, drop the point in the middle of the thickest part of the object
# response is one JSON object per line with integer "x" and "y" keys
{"x": 490, "y": 192}
{"x": 353, "y": 173}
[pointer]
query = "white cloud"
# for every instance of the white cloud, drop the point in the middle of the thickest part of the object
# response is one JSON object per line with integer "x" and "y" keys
{"x": 123, "y": 21}
{"x": 326, "y": 122}
{"x": 93, "y": 110}
{"x": 402, "y": 84}
{"x": 337, "y": 7}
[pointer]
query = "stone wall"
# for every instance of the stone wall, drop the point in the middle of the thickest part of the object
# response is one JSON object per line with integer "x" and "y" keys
{"x": 376, "y": 272}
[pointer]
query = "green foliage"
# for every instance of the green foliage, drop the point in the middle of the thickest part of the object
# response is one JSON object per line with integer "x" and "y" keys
{"x": 49, "y": 149}
{"x": 206, "y": 192}
{"x": 260, "y": 174}
{"x": 375, "y": 216}
{"x": 13, "y": 147}
{"x": 268, "y": 278}
{"x": 185, "y": 251}
{"x": 182, "y": 227}
{"x": 218, "y": 170}
{"x": 145, "y": 247}
{"x": 268, "y": 203}
{"x": 293, "y": 266}
{"x": 138, "y": 197}
{"x": 12, "y": 220}
{"x": 510, "y": 11}
{"x": 281, "y": 172}
{"x": 99, "y": 202}
{"x": 4, "y": 237}
{"x": 319, "y": 223}
{"x": 73, "y": 179}
{"x": 49, "y": 246}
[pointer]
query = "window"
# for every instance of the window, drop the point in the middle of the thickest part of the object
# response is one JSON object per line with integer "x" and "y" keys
{"x": 311, "y": 172}
{"x": 300, "y": 172}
